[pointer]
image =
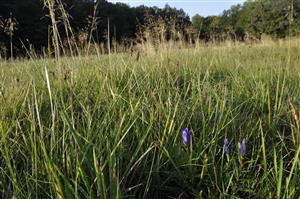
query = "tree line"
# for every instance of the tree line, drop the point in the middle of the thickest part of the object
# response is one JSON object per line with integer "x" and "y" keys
{"x": 26, "y": 24}
{"x": 251, "y": 20}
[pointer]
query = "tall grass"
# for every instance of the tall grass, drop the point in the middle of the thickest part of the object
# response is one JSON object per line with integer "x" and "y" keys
{"x": 109, "y": 125}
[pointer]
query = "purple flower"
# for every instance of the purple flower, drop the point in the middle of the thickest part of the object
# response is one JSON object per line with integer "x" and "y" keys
{"x": 243, "y": 148}
{"x": 186, "y": 136}
{"x": 226, "y": 146}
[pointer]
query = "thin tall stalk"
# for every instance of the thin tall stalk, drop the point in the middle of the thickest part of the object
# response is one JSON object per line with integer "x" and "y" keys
{"x": 50, "y": 4}
{"x": 93, "y": 22}
{"x": 108, "y": 40}
{"x": 10, "y": 27}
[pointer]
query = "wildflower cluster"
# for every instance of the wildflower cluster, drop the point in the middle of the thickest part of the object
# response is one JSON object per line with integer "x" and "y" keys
{"x": 242, "y": 147}
{"x": 186, "y": 140}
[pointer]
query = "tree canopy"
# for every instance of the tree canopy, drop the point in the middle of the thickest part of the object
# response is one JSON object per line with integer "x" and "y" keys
{"x": 277, "y": 18}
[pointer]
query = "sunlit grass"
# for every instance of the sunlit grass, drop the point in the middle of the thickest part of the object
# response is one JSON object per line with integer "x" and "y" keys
{"x": 109, "y": 127}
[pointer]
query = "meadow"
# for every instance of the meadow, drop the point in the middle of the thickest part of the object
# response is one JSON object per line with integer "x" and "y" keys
{"x": 109, "y": 126}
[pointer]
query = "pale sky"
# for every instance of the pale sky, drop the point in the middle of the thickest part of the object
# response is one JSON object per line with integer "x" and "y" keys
{"x": 192, "y": 7}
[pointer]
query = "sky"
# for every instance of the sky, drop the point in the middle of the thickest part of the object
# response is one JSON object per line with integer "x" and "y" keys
{"x": 192, "y": 7}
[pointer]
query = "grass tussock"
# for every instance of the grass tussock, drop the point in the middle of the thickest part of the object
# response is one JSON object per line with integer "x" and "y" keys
{"x": 108, "y": 126}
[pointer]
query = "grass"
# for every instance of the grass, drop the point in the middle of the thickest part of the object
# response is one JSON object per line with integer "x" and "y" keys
{"x": 109, "y": 126}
